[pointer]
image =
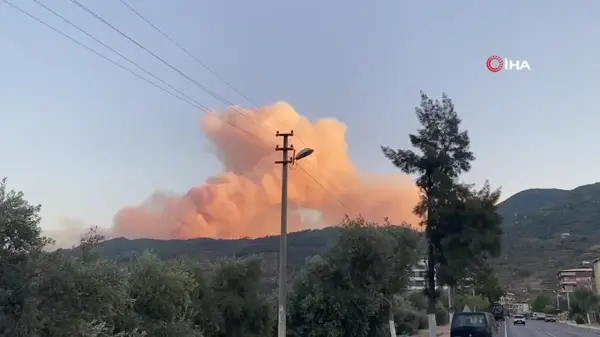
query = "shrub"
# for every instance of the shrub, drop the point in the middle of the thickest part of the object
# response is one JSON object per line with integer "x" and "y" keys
{"x": 408, "y": 320}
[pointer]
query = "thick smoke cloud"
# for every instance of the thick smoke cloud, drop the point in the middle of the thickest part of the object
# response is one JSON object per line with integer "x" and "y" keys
{"x": 244, "y": 199}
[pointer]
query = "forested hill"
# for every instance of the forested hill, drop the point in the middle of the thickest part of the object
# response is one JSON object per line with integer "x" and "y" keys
{"x": 300, "y": 245}
{"x": 547, "y": 230}
{"x": 533, "y": 248}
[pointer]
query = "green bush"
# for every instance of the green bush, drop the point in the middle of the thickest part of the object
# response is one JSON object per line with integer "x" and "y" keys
{"x": 579, "y": 319}
{"x": 408, "y": 320}
{"x": 441, "y": 315}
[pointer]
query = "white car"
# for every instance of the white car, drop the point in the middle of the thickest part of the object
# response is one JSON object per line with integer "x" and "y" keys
{"x": 519, "y": 319}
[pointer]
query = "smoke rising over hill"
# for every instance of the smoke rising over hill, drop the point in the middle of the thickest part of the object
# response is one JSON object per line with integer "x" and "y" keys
{"x": 244, "y": 199}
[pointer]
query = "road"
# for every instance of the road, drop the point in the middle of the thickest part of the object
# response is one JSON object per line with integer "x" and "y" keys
{"x": 543, "y": 329}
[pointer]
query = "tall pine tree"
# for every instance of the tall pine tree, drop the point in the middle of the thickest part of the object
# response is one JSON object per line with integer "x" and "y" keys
{"x": 441, "y": 154}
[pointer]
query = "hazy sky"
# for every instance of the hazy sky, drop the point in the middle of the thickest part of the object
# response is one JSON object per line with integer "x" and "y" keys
{"x": 85, "y": 138}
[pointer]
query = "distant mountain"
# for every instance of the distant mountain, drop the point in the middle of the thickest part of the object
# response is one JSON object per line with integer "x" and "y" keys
{"x": 535, "y": 245}
{"x": 301, "y": 245}
{"x": 547, "y": 230}
{"x": 528, "y": 201}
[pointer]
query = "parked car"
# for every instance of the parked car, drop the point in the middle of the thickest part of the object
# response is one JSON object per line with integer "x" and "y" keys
{"x": 519, "y": 320}
{"x": 550, "y": 318}
{"x": 474, "y": 324}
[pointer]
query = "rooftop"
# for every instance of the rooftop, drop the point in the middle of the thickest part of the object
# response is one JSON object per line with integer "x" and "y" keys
{"x": 575, "y": 270}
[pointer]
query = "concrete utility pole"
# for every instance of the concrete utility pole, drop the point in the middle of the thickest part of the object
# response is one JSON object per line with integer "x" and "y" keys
{"x": 450, "y": 309}
{"x": 285, "y": 160}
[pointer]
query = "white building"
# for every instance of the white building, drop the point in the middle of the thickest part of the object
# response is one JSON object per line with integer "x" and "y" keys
{"x": 507, "y": 299}
{"x": 519, "y": 308}
{"x": 418, "y": 278}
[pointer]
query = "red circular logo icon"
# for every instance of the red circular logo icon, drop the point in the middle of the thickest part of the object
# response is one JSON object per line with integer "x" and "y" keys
{"x": 494, "y": 63}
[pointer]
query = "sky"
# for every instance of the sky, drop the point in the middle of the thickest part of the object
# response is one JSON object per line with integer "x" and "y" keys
{"x": 85, "y": 138}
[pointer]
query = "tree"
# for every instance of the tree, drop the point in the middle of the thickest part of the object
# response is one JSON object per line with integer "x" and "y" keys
{"x": 485, "y": 282}
{"x": 476, "y": 302}
{"x": 242, "y": 311}
{"x": 473, "y": 234}
{"x": 162, "y": 292}
{"x": 73, "y": 293}
{"x": 70, "y": 295}
{"x": 584, "y": 301}
{"x": 443, "y": 154}
{"x": 540, "y": 302}
{"x": 21, "y": 246}
{"x": 20, "y": 234}
{"x": 350, "y": 291}
{"x": 378, "y": 259}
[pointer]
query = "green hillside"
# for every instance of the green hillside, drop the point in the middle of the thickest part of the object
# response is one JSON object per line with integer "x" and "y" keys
{"x": 533, "y": 248}
{"x": 547, "y": 230}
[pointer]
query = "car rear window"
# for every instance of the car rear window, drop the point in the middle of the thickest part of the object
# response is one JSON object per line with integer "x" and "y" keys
{"x": 518, "y": 316}
{"x": 469, "y": 320}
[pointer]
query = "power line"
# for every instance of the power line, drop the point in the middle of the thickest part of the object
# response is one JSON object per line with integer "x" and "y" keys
{"x": 204, "y": 65}
{"x": 181, "y": 73}
{"x": 184, "y": 98}
{"x": 100, "y": 54}
{"x": 98, "y": 17}
{"x": 189, "y": 78}
{"x": 76, "y": 2}
{"x": 339, "y": 201}
{"x": 198, "y": 104}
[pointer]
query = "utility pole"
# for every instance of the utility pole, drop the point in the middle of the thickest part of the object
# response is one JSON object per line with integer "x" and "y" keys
{"x": 450, "y": 309}
{"x": 285, "y": 160}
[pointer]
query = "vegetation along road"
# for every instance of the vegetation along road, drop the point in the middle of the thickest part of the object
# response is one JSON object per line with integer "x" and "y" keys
{"x": 351, "y": 280}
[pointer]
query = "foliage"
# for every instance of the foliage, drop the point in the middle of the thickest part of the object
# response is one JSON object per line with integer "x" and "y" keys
{"x": 353, "y": 289}
{"x": 532, "y": 247}
{"x": 487, "y": 284}
{"x": 408, "y": 316}
{"x": 549, "y": 309}
{"x": 461, "y": 225}
{"x": 584, "y": 301}
{"x": 540, "y": 302}
{"x": 20, "y": 234}
{"x": 473, "y": 234}
{"x": 235, "y": 296}
{"x": 350, "y": 291}
{"x": 579, "y": 319}
{"x": 474, "y": 302}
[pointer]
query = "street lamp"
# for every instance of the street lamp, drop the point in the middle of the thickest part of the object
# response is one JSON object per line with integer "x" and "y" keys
{"x": 282, "y": 312}
{"x": 305, "y": 152}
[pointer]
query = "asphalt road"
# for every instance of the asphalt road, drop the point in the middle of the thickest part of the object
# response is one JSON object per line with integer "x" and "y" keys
{"x": 543, "y": 329}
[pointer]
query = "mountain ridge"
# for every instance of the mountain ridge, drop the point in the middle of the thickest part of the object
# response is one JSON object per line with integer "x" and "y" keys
{"x": 534, "y": 247}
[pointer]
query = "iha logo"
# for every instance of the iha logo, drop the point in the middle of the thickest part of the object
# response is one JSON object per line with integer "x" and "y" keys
{"x": 496, "y": 63}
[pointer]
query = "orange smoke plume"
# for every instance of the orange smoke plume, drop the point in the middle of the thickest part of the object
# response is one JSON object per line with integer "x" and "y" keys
{"x": 244, "y": 200}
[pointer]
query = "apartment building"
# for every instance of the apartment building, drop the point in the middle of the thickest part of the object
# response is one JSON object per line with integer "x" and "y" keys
{"x": 571, "y": 279}
{"x": 417, "y": 281}
{"x": 507, "y": 298}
